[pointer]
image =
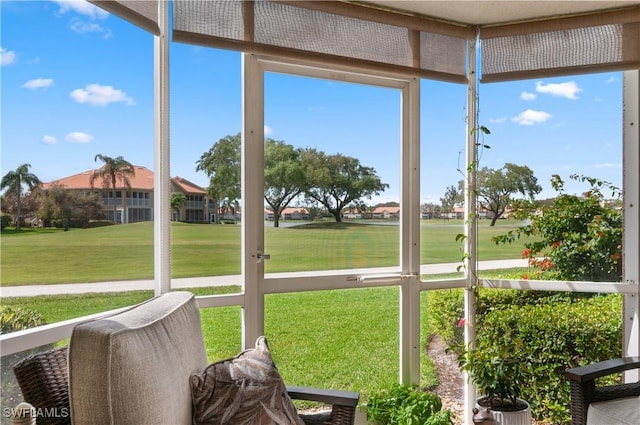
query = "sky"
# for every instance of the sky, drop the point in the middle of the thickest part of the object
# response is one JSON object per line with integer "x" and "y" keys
{"x": 77, "y": 82}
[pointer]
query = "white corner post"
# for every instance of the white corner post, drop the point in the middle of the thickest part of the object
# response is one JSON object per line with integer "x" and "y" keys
{"x": 161, "y": 175}
{"x": 631, "y": 192}
{"x": 410, "y": 234}
{"x": 470, "y": 228}
{"x": 252, "y": 199}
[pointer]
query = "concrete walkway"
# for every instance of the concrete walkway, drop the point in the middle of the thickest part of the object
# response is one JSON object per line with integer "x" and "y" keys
{"x": 198, "y": 282}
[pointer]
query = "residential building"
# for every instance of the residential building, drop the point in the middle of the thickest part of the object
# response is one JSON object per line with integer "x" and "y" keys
{"x": 135, "y": 203}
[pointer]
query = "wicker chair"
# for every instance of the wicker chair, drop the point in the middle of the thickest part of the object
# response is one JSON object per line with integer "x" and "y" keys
{"x": 584, "y": 390}
{"x": 43, "y": 380}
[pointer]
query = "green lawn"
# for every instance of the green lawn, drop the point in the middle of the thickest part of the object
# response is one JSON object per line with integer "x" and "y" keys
{"x": 344, "y": 339}
{"x": 47, "y": 256}
{"x": 318, "y": 338}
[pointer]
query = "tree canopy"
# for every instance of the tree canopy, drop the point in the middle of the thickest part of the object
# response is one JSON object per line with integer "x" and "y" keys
{"x": 284, "y": 176}
{"x": 335, "y": 181}
{"x": 178, "y": 200}
{"x": 65, "y": 208}
{"x": 221, "y": 163}
{"x": 496, "y": 188}
{"x": 114, "y": 169}
{"x": 14, "y": 181}
{"x": 451, "y": 198}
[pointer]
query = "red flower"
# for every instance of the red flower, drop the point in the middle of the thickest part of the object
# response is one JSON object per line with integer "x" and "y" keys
{"x": 462, "y": 322}
{"x": 526, "y": 253}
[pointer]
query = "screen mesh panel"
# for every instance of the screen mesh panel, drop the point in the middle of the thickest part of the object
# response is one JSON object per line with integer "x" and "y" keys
{"x": 569, "y": 46}
{"x": 143, "y": 13}
{"x": 276, "y": 28}
{"x": 315, "y": 31}
{"x": 221, "y": 19}
{"x": 436, "y": 52}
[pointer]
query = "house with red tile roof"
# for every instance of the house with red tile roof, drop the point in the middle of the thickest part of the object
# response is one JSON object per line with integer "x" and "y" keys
{"x": 135, "y": 203}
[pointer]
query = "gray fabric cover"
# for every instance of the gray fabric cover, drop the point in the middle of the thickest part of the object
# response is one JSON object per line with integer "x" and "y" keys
{"x": 622, "y": 411}
{"x": 133, "y": 368}
{"x": 244, "y": 390}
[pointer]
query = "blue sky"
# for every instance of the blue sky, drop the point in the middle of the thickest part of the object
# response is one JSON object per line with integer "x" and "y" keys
{"x": 76, "y": 82}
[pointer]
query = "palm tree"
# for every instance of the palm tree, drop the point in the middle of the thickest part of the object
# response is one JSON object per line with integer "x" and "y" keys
{"x": 14, "y": 180}
{"x": 114, "y": 169}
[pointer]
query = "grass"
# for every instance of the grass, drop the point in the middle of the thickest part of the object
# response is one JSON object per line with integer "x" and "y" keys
{"x": 125, "y": 252}
{"x": 344, "y": 339}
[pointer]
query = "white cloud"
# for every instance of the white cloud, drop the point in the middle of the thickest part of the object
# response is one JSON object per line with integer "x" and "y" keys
{"x": 267, "y": 130}
{"x": 49, "y": 140}
{"x": 99, "y": 95}
{"x": 530, "y": 117}
{"x": 38, "y": 83}
{"x": 612, "y": 79}
{"x": 82, "y": 7}
{"x": 7, "y": 57}
{"x": 78, "y": 137}
{"x": 497, "y": 120}
{"x": 568, "y": 90}
{"x": 82, "y": 27}
{"x": 528, "y": 96}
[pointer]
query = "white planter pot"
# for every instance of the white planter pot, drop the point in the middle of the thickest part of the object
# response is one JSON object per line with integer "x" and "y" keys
{"x": 520, "y": 417}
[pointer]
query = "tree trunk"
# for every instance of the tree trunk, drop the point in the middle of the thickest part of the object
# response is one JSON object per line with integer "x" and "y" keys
{"x": 276, "y": 219}
{"x": 337, "y": 215}
{"x": 18, "y": 218}
{"x": 493, "y": 220}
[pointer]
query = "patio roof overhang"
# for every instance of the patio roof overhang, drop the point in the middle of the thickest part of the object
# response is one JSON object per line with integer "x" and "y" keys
{"x": 519, "y": 39}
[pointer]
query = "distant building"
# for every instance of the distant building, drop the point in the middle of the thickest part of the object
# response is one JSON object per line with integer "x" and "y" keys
{"x": 386, "y": 213}
{"x": 135, "y": 204}
{"x": 288, "y": 213}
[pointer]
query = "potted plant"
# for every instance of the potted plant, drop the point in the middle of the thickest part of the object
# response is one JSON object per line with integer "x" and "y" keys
{"x": 498, "y": 376}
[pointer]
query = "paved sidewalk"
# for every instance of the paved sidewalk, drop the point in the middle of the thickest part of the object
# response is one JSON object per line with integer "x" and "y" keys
{"x": 198, "y": 282}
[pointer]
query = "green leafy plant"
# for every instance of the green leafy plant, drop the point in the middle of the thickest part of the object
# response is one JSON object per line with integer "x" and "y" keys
{"x": 523, "y": 350}
{"x": 13, "y": 318}
{"x": 578, "y": 237}
{"x": 498, "y": 375}
{"x": 406, "y": 405}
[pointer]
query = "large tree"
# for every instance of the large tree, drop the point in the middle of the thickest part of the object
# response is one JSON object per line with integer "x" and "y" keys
{"x": 451, "y": 198}
{"x": 14, "y": 181}
{"x": 114, "y": 169}
{"x": 496, "y": 188}
{"x": 336, "y": 181}
{"x": 65, "y": 208}
{"x": 284, "y": 176}
{"x": 221, "y": 163}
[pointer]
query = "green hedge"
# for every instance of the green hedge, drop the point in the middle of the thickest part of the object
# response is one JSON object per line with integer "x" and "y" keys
{"x": 548, "y": 332}
{"x": 446, "y": 308}
{"x": 551, "y": 338}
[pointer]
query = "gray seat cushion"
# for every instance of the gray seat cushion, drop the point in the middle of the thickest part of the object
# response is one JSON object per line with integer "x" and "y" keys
{"x": 623, "y": 411}
{"x": 134, "y": 367}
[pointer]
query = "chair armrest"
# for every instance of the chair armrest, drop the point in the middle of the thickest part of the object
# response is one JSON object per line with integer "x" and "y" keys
{"x": 596, "y": 370}
{"x": 341, "y": 398}
{"x": 584, "y": 390}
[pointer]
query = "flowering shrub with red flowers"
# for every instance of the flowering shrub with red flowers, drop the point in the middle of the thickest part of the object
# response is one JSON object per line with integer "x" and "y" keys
{"x": 576, "y": 237}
